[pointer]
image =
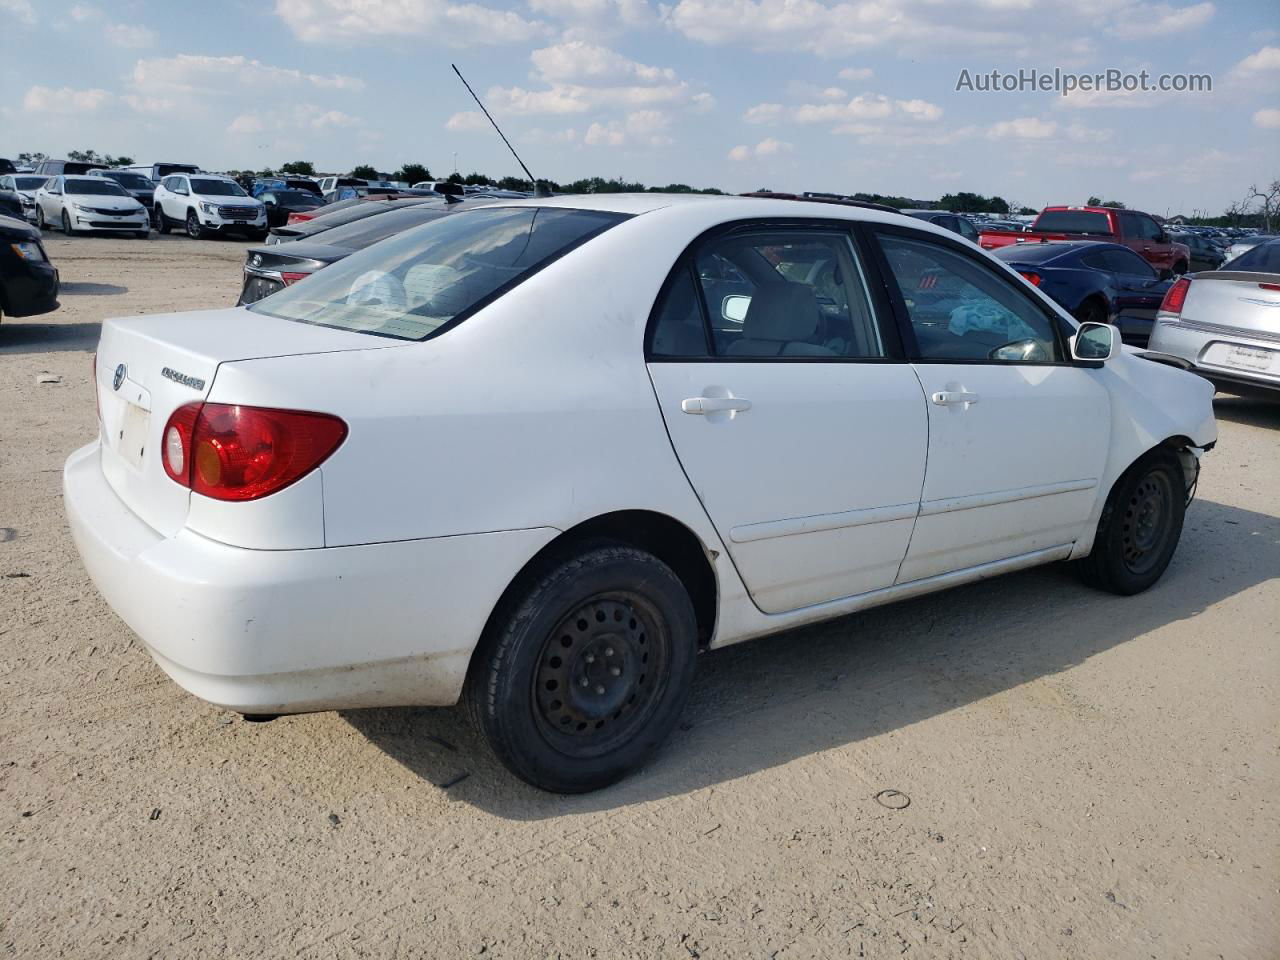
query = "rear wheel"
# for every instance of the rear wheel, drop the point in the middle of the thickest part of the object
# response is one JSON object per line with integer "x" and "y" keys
{"x": 583, "y": 673}
{"x": 194, "y": 228}
{"x": 1140, "y": 526}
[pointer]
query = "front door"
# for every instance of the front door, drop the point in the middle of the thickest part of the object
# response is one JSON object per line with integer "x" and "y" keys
{"x": 1017, "y": 433}
{"x": 794, "y": 416}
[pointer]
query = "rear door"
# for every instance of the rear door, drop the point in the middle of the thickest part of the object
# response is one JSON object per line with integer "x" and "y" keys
{"x": 1018, "y": 435}
{"x": 791, "y": 409}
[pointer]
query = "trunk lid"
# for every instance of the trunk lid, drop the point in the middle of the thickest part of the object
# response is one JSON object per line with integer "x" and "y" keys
{"x": 1247, "y": 302}
{"x": 147, "y": 367}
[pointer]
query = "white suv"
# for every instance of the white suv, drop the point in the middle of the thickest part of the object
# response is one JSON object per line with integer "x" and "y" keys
{"x": 204, "y": 204}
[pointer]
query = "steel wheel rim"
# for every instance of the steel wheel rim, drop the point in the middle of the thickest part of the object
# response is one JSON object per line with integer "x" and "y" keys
{"x": 601, "y": 674}
{"x": 1145, "y": 523}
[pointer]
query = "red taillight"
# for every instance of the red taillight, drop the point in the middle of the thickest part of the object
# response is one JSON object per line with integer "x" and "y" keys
{"x": 1031, "y": 278}
{"x": 299, "y": 218}
{"x": 1176, "y": 297}
{"x": 231, "y": 452}
{"x": 1270, "y": 286}
{"x": 289, "y": 278}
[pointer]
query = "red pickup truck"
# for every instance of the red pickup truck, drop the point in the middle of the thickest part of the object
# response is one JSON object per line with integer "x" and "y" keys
{"x": 1138, "y": 231}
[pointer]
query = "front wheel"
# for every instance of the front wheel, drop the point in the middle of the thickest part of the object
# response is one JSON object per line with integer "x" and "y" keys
{"x": 1091, "y": 311}
{"x": 41, "y": 224}
{"x": 584, "y": 672}
{"x": 1140, "y": 526}
{"x": 194, "y": 229}
{"x": 66, "y": 223}
{"x": 159, "y": 220}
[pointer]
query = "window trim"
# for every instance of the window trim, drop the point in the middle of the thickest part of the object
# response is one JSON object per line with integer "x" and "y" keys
{"x": 903, "y": 316}
{"x": 881, "y": 313}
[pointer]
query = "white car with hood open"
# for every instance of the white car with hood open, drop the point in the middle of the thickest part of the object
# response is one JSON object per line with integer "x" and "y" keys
{"x": 539, "y": 455}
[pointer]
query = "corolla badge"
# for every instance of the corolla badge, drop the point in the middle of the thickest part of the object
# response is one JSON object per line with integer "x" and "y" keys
{"x": 121, "y": 372}
{"x": 195, "y": 383}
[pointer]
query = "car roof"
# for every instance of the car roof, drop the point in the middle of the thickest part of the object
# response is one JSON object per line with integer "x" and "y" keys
{"x": 723, "y": 207}
{"x": 1062, "y": 248}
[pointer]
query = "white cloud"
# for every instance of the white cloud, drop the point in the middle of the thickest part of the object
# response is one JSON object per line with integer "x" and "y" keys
{"x": 597, "y": 19}
{"x": 1160, "y": 19}
{"x": 1023, "y": 128}
{"x": 768, "y": 113}
{"x": 1265, "y": 60}
{"x": 449, "y": 24}
{"x": 580, "y": 76}
{"x": 469, "y": 121}
{"x": 768, "y": 147}
{"x": 920, "y": 109}
{"x": 20, "y": 10}
{"x": 82, "y": 12}
{"x": 643, "y": 128}
{"x": 247, "y": 123}
{"x": 191, "y": 73}
{"x": 333, "y": 118}
{"x": 1082, "y": 134}
{"x": 149, "y": 104}
{"x": 1267, "y": 118}
{"x": 63, "y": 100}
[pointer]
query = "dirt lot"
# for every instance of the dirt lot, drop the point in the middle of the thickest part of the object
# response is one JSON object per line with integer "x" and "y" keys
{"x": 1088, "y": 776}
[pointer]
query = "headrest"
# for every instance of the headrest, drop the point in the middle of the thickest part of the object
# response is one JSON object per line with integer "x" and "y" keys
{"x": 781, "y": 312}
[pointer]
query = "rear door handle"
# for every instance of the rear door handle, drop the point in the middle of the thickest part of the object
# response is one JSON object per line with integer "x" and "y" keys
{"x": 704, "y": 405}
{"x": 945, "y": 398}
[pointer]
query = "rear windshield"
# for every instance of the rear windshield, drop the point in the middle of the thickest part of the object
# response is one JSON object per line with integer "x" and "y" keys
{"x": 362, "y": 233}
{"x": 415, "y": 283}
{"x": 130, "y": 181}
{"x": 164, "y": 169}
{"x": 95, "y": 187}
{"x": 1264, "y": 258}
{"x": 29, "y": 183}
{"x": 1074, "y": 221}
{"x": 297, "y": 199}
{"x": 216, "y": 188}
{"x": 1030, "y": 252}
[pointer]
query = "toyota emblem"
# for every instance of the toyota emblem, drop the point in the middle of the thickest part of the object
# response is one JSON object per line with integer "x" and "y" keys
{"x": 118, "y": 379}
{"x": 257, "y": 259}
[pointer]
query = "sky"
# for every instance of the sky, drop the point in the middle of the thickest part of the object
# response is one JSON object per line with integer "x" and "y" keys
{"x": 830, "y": 95}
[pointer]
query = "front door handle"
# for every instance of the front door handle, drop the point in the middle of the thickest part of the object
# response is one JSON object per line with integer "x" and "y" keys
{"x": 945, "y": 398}
{"x": 705, "y": 405}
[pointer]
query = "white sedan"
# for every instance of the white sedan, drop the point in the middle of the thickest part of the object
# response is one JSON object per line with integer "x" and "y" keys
{"x": 90, "y": 204}
{"x": 539, "y": 455}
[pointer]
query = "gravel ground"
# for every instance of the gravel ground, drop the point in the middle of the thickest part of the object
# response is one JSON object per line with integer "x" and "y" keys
{"x": 1087, "y": 776}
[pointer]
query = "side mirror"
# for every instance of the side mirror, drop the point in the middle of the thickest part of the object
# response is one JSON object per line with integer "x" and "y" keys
{"x": 1095, "y": 343}
{"x": 734, "y": 308}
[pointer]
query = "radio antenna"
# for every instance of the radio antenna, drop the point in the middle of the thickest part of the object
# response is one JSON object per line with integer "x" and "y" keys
{"x": 539, "y": 190}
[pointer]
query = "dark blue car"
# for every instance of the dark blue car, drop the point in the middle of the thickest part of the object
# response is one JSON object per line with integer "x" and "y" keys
{"x": 1094, "y": 281}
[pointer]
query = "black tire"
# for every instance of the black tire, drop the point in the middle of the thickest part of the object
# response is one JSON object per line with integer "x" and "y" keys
{"x": 66, "y": 223}
{"x": 195, "y": 230}
{"x": 1179, "y": 268}
{"x": 1091, "y": 311}
{"x": 41, "y": 223}
{"x": 160, "y": 220}
{"x": 143, "y": 234}
{"x": 585, "y": 668}
{"x": 259, "y": 236}
{"x": 1139, "y": 527}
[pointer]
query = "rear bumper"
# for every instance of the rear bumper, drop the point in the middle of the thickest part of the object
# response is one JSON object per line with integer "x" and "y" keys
{"x": 291, "y": 631}
{"x": 1194, "y": 349}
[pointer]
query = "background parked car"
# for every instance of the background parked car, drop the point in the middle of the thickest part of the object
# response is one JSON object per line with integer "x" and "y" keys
{"x": 51, "y": 168}
{"x": 282, "y": 203}
{"x": 11, "y": 202}
{"x": 271, "y": 268}
{"x": 155, "y": 172}
{"x": 85, "y": 203}
{"x": 1096, "y": 282}
{"x": 1244, "y": 244}
{"x": 1225, "y": 324}
{"x": 947, "y": 221}
{"x": 207, "y": 204}
{"x": 326, "y": 219}
{"x": 25, "y": 186}
{"x": 1205, "y": 255}
{"x": 28, "y": 281}
{"x": 135, "y": 184}
{"x": 6, "y": 166}
{"x": 264, "y": 184}
{"x": 328, "y": 184}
